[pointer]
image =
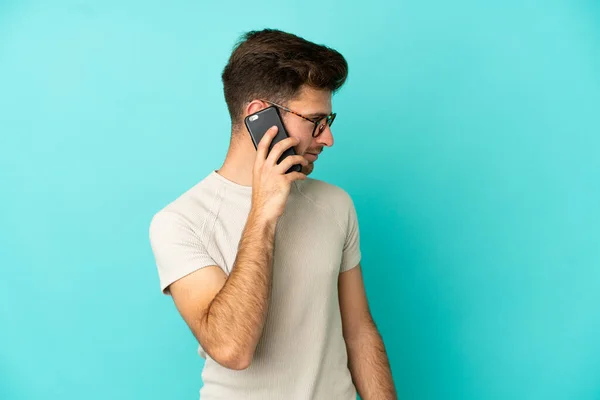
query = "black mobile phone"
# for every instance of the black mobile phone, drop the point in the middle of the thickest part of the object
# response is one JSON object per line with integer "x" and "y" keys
{"x": 258, "y": 124}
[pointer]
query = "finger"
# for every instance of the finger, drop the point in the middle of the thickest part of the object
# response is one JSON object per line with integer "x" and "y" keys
{"x": 279, "y": 148}
{"x": 296, "y": 176}
{"x": 289, "y": 161}
{"x": 263, "y": 146}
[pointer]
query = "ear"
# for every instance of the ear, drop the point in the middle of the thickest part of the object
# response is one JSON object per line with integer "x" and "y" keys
{"x": 254, "y": 106}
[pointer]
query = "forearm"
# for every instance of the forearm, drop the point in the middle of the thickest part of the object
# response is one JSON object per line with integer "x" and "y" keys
{"x": 369, "y": 365}
{"x": 235, "y": 318}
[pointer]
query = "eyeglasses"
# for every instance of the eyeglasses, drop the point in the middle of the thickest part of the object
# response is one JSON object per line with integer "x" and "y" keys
{"x": 320, "y": 123}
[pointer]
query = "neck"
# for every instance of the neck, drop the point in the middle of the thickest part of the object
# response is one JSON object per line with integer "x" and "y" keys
{"x": 239, "y": 162}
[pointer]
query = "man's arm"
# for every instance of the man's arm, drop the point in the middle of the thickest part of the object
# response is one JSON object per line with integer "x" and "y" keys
{"x": 367, "y": 358}
{"x": 227, "y": 315}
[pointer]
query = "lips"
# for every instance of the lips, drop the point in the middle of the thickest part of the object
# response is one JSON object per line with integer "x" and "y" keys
{"x": 311, "y": 156}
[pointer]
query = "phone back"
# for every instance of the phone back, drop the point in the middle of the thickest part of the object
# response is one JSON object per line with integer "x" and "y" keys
{"x": 258, "y": 124}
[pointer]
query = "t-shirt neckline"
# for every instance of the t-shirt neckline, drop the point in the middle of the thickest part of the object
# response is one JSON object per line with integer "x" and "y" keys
{"x": 236, "y": 186}
{"x": 231, "y": 184}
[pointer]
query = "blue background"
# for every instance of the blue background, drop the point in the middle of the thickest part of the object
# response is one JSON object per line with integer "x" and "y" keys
{"x": 467, "y": 135}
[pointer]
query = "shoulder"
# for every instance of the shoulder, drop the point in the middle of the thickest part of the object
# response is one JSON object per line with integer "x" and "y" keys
{"x": 187, "y": 211}
{"x": 324, "y": 193}
{"x": 332, "y": 200}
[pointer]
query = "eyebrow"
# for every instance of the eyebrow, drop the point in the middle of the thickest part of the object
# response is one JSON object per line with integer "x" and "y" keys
{"x": 317, "y": 115}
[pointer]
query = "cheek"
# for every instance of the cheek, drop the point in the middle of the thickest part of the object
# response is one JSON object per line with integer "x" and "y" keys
{"x": 295, "y": 129}
{"x": 304, "y": 144}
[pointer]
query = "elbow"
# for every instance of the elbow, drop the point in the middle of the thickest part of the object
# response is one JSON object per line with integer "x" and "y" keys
{"x": 236, "y": 361}
{"x": 226, "y": 351}
{"x": 232, "y": 358}
{"x": 238, "y": 364}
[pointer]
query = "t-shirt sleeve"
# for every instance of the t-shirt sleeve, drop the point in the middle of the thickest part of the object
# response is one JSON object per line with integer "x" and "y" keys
{"x": 178, "y": 250}
{"x": 351, "y": 254}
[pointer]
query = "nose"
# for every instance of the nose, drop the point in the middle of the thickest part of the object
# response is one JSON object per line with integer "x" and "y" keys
{"x": 326, "y": 137}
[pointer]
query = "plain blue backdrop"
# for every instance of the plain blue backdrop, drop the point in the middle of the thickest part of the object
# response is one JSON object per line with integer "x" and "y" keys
{"x": 467, "y": 135}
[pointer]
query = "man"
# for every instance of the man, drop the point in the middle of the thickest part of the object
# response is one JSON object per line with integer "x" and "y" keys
{"x": 263, "y": 266}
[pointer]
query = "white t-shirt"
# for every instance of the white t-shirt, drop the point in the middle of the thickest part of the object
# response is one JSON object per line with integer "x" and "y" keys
{"x": 301, "y": 354}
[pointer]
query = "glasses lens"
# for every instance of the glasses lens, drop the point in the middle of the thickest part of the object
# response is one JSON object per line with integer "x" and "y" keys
{"x": 319, "y": 128}
{"x": 320, "y": 125}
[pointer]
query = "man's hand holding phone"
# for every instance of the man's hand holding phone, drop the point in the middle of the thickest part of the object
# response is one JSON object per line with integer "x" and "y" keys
{"x": 271, "y": 184}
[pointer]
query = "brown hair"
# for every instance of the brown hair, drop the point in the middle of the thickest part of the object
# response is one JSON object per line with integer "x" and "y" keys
{"x": 271, "y": 64}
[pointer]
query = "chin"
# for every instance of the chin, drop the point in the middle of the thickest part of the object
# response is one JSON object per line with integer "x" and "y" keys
{"x": 308, "y": 169}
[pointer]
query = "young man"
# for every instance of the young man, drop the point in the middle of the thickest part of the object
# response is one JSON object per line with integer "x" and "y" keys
{"x": 263, "y": 266}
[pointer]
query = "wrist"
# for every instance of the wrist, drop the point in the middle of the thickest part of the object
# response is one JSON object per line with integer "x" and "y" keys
{"x": 261, "y": 220}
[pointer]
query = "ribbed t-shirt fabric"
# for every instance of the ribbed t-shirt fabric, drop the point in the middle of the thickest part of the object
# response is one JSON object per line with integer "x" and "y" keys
{"x": 301, "y": 353}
